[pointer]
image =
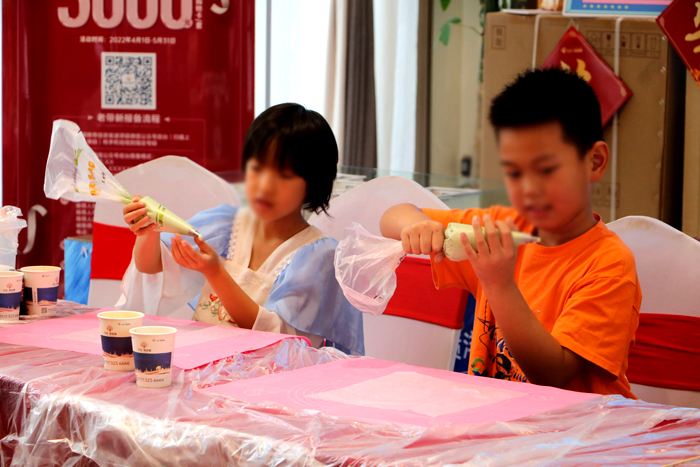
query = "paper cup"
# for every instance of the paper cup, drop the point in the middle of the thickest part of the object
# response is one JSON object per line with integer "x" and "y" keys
{"x": 116, "y": 340}
{"x": 10, "y": 294}
{"x": 41, "y": 289}
{"x": 153, "y": 355}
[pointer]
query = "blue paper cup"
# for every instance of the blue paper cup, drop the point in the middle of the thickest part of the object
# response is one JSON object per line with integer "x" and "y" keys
{"x": 116, "y": 340}
{"x": 153, "y": 355}
{"x": 10, "y": 294}
{"x": 41, "y": 289}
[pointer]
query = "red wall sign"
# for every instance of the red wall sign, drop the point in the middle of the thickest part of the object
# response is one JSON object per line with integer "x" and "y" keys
{"x": 574, "y": 53}
{"x": 680, "y": 22}
{"x": 142, "y": 78}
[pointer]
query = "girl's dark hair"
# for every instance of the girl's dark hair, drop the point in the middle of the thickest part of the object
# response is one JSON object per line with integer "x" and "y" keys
{"x": 303, "y": 141}
{"x": 551, "y": 95}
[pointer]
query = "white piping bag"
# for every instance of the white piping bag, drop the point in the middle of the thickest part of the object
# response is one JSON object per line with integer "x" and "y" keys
{"x": 74, "y": 172}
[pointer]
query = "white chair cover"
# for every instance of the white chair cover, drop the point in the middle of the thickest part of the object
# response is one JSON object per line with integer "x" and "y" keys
{"x": 180, "y": 184}
{"x": 668, "y": 267}
{"x": 391, "y": 337}
{"x": 367, "y": 203}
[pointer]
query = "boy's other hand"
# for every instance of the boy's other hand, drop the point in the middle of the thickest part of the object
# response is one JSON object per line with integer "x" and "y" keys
{"x": 494, "y": 264}
{"x": 423, "y": 238}
{"x": 135, "y": 217}
{"x": 206, "y": 260}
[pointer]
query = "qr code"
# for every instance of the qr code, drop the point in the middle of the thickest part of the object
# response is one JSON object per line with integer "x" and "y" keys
{"x": 128, "y": 80}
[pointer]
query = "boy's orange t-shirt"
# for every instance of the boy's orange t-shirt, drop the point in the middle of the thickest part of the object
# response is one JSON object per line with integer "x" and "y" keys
{"x": 585, "y": 293}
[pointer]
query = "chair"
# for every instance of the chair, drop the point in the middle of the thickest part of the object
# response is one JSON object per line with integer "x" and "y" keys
{"x": 421, "y": 326}
{"x": 183, "y": 186}
{"x": 665, "y": 359}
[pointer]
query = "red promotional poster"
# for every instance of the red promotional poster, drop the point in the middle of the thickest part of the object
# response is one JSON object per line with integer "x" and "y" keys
{"x": 142, "y": 79}
{"x": 680, "y": 21}
{"x": 574, "y": 53}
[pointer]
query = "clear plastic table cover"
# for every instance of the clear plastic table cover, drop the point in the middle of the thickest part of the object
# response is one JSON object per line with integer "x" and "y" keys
{"x": 61, "y": 408}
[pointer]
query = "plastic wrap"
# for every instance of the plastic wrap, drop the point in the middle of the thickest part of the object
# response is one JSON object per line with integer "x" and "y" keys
{"x": 365, "y": 267}
{"x": 10, "y": 225}
{"x": 62, "y": 409}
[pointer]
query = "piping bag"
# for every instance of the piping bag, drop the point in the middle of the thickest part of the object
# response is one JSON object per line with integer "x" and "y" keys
{"x": 365, "y": 264}
{"x": 74, "y": 172}
{"x": 454, "y": 250}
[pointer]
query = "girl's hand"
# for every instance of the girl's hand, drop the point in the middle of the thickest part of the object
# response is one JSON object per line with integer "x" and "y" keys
{"x": 206, "y": 260}
{"x": 423, "y": 238}
{"x": 494, "y": 264}
{"x": 132, "y": 212}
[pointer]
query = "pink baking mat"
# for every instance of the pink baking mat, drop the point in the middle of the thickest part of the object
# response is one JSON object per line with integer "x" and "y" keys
{"x": 370, "y": 390}
{"x": 196, "y": 344}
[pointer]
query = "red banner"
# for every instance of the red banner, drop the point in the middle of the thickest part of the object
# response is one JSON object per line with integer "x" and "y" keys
{"x": 666, "y": 351}
{"x": 573, "y": 52}
{"x": 680, "y": 21}
{"x": 142, "y": 78}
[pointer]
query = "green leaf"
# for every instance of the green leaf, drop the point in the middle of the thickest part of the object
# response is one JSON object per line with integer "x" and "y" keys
{"x": 454, "y": 20}
{"x": 444, "y": 35}
{"x": 444, "y": 4}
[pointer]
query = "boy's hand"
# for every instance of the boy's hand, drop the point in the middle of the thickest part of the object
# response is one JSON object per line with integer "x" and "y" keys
{"x": 206, "y": 260}
{"x": 423, "y": 238}
{"x": 135, "y": 210}
{"x": 494, "y": 264}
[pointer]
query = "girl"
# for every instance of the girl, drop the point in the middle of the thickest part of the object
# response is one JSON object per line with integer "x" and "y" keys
{"x": 262, "y": 267}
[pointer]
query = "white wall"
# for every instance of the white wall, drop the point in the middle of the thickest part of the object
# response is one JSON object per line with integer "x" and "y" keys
{"x": 454, "y": 87}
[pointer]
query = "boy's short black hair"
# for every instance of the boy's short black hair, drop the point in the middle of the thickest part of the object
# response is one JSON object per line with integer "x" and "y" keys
{"x": 303, "y": 141}
{"x": 551, "y": 95}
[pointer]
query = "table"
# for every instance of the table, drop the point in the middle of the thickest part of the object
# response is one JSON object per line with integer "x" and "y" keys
{"x": 62, "y": 408}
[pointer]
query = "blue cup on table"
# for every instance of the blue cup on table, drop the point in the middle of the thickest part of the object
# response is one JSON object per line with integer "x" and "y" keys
{"x": 116, "y": 341}
{"x": 41, "y": 289}
{"x": 10, "y": 294}
{"x": 153, "y": 355}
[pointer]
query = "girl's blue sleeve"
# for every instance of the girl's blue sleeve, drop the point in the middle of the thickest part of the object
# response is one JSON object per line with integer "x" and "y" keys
{"x": 307, "y": 296}
{"x": 215, "y": 226}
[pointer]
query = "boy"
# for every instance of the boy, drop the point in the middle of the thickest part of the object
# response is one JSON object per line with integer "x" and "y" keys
{"x": 563, "y": 312}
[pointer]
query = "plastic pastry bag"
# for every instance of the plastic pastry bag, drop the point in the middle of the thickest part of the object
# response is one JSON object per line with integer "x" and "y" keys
{"x": 74, "y": 172}
{"x": 365, "y": 267}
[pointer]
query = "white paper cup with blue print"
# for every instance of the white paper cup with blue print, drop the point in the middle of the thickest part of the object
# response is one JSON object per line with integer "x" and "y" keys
{"x": 10, "y": 294}
{"x": 41, "y": 289}
{"x": 153, "y": 355}
{"x": 116, "y": 341}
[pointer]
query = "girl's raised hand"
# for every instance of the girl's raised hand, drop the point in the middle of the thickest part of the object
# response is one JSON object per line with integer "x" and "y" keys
{"x": 135, "y": 217}
{"x": 206, "y": 260}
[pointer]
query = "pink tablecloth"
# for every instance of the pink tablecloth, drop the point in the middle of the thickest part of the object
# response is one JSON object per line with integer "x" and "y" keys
{"x": 62, "y": 408}
{"x": 196, "y": 343}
